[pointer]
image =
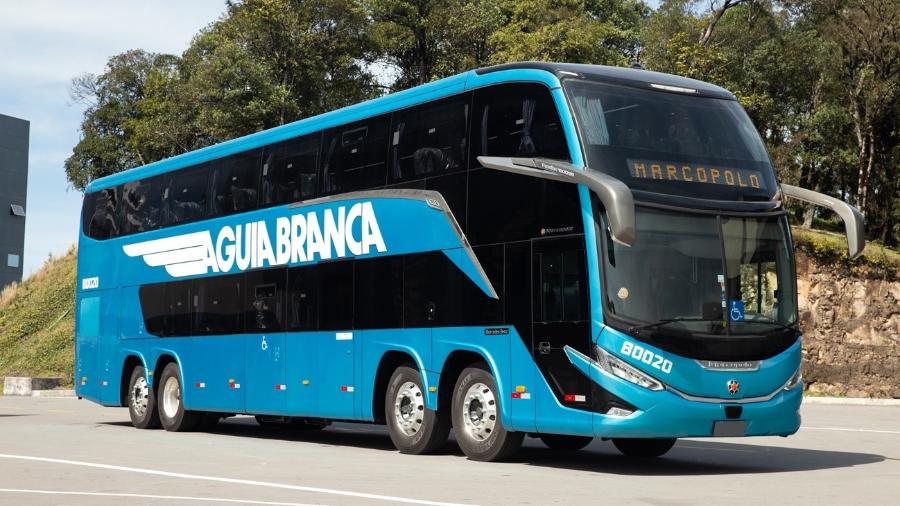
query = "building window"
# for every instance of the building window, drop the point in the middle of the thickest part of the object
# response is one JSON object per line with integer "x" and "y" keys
{"x": 12, "y": 261}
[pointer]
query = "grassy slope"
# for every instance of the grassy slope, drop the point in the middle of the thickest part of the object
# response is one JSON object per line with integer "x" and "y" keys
{"x": 37, "y": 322}
{"x": 37, "y": 317}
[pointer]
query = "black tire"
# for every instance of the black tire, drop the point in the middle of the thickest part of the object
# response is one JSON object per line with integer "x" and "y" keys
{"x": 565, "y": 443}
{"x": 148, "y": 418}
{"x": 498, "y": 443}
{"x": 181, "y": 420}
{"x": 427, "y": 430}
{"x": 644, "y": 448}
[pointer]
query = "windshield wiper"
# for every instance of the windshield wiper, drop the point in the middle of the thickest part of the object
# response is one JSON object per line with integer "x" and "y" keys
{"x": 778, "y": 325}
{"x": 666, "y": 321}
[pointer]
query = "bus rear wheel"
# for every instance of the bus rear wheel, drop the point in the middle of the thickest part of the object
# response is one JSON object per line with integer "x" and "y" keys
{"x": 141, "y": 401}
{"x": 172, "y": 415}
{"x": 565, "y": 443}
{"x": 476, "y": 417}
{"x": 414, "y": 428}
{"x": 644, "y": 448}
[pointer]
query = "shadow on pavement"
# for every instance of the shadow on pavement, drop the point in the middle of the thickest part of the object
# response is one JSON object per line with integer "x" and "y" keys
{"x": 687, "y": 458}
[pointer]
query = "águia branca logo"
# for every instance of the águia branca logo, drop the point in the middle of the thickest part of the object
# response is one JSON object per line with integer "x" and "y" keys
{"x": 302, "y": 237}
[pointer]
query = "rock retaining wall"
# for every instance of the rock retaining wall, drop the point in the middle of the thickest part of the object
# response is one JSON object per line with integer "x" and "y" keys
{"x": 851, "y": 331}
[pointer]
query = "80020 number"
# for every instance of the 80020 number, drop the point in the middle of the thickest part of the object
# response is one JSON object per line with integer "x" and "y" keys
{"x": 638, "y": 352}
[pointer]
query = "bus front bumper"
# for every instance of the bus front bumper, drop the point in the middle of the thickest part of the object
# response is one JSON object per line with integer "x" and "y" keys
{"x": 665, "y": 414}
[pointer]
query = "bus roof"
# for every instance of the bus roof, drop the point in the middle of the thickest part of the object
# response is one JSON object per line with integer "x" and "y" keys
{"x": 548, "y": 73}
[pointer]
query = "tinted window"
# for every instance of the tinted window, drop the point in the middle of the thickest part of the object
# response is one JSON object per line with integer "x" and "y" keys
{"x": 233, "y": 183}
{"x": 264, "y": 307}
{"x": 509, "y": 207}
{"x": 453, "y": 188}
{"x": 289, "y": 171}
{"x": 185, "y": 198}
{"x": 517, "y": 120}
{"x": 354, "y": 156}
{"x": 429, "y": 139}
{"x": 302, "y": 298}
{"x": 178, "y": 308}
{"x": 478, "y": 308}
{"x": 431, "y": 290}
{"x": 518, "y": 288}
{"x": 379, "y": 293}
{"x": 99, "y": 217}
{"x": 562, "y": 294}
{"x": 218, "y": 305}
{"x": 142, "y": 205}
{"x": 154, "y": 308}
{"x": 336, "y": 295}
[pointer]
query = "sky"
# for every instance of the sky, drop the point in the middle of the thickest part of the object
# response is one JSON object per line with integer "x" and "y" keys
{"x": 44, "y": 44}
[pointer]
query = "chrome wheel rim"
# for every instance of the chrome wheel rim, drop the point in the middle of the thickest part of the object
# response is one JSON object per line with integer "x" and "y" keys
{"x": 171, "y": 397}
{"x": 140, "y": 397}
{"x": 479, "y": 412}
{"x": 409, "y": 409}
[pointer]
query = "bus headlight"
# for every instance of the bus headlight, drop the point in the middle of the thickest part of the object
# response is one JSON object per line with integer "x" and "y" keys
{"x": 617, "y": 367}
{"x": 795, "y": 379}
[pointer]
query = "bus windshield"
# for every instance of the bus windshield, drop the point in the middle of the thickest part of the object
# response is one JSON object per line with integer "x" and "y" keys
{"x": 671, "y": 143}
{"x": 703, "y": 273}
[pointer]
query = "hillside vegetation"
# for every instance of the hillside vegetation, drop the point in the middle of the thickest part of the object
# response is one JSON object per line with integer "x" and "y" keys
{"x": 37, "y": 322}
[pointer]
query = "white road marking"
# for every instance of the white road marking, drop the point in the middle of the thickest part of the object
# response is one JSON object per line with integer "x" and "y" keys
{"x": 841, "y": 429}
{"x": 256, "y": 483}
{"x": 148, "y": 496}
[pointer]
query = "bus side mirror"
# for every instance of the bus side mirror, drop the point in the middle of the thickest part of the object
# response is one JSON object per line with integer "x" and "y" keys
{"x": 854, "y": 223}
{"x": 614, "y": 194}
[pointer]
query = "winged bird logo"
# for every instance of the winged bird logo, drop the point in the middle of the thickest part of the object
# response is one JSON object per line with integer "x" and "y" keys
{"x": 181, "y": 255}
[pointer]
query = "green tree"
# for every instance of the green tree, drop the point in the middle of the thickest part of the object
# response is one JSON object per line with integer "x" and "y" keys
{"x": 112, "y": 115}
{"x": 598, "y": 32}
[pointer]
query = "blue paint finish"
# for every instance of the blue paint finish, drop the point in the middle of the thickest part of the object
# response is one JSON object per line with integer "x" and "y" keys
{"x": 689, "y": 377}
{"x": 336, "y": 374}
{"x": 301, "y": 375}
{"x": 375, "y": 344}
{"x": 87, "y": 360}
{"x": 464, "y": 262}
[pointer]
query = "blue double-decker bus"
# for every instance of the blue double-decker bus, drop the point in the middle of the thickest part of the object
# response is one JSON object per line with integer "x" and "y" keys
{"x": 553, "y": 250}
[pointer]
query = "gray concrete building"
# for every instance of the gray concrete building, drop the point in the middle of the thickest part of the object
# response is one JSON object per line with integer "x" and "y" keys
{"x": 13, "y": 185}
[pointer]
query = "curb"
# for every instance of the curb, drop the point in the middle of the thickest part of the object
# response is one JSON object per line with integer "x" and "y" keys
{"x": 850, "y": 401}
{"x": 53, "y": 393}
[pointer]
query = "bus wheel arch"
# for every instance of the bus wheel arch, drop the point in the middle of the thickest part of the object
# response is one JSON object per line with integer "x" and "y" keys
{"x": 131, "y": 362}
{"x": 389, "y": 363}
{"x": 454, "y": 365}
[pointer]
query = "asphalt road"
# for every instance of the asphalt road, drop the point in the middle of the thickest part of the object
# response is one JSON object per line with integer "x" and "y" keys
{"x": 65, "y": 451}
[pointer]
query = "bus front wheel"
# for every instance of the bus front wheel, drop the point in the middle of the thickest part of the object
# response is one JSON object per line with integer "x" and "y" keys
{"x": 414, "y": 428}
{"x": 142, "y": 401}
{"x": 644, "y": 448}
{"x": 476, "y": 417}
{"x": 172, "y": 415}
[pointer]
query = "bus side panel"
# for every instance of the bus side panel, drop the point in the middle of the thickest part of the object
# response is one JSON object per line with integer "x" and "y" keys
{"x": 266, "y": 389}
{"x": 110, "y": 360}
{"x": 214, "y": 372}
{"x": 301, "y": 351}
{"x": 522, "y": 373}
{"x": 335, "y": 373}
{"x": 87, "y": 332}
{"x": 375, "y": 344}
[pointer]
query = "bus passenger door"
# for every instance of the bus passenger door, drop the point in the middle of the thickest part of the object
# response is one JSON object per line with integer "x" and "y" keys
{"x": 560, "y": 319}
{"x": 87, "y": 353}
{"x": 265, "y": 354}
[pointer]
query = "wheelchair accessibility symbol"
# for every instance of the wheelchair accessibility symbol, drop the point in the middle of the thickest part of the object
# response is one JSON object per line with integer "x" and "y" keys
{"x": 737, "y": 310}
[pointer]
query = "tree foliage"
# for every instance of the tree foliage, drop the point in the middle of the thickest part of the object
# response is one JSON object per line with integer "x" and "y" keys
{"x": 819, "y": 78}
